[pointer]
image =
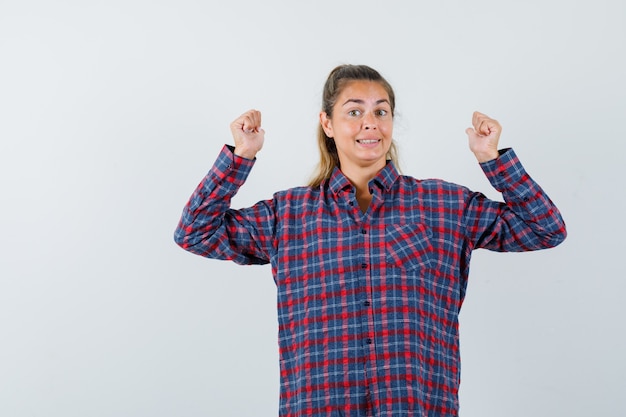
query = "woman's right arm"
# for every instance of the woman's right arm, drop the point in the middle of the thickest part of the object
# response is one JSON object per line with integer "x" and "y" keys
{"x": 208, "y": 226}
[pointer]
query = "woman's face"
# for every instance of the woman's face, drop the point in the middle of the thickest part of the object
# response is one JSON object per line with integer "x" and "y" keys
{"x": 361, "y": 125}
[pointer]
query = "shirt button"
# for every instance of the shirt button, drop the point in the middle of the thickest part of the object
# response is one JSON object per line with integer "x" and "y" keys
{"x": 366, "y": 303}
{"x": 363, "y": 265}
{"x": 363, "y": 231}
{"x": 368, "y": 341}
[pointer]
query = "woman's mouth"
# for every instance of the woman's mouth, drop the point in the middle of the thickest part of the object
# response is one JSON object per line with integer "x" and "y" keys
{"x": 368, "y": 141}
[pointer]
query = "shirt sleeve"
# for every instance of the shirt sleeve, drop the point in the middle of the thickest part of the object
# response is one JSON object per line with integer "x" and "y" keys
{"x": 527, "y": 220}
{"x": 210, "y": 228}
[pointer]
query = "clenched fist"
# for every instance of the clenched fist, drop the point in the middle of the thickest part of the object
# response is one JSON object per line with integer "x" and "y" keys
{"x": 484, "y": 137}
{"x": 247, "y": 133}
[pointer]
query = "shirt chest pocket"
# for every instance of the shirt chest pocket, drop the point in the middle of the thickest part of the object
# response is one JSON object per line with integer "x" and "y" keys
{"x": 409, "y": 246}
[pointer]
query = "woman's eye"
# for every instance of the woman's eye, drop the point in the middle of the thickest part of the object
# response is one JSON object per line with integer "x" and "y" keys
{"x": 354, "y": 113}
{"x": 382, "y": 112}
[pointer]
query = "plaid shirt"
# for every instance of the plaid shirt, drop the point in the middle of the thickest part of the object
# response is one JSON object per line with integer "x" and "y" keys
{"x": 368, "y": 303}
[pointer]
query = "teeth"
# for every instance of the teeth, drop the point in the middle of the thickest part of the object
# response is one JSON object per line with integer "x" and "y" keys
{"x": 367, "y": 141}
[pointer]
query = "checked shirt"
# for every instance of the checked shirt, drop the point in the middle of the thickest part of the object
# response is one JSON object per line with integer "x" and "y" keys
{"x": 368, "y": 303}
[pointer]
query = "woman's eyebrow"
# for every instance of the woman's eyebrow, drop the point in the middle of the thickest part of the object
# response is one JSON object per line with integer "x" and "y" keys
{"x": 360, "y": 101}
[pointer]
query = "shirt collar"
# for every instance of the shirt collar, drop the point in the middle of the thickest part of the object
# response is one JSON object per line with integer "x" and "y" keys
{"x": 384, "y": 179}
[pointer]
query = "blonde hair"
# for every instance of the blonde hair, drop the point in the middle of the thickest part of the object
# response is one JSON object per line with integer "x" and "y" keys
{"x": 335, "y": 83}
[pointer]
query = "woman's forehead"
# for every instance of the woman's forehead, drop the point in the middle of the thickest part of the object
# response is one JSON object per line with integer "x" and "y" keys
{"x": 363, "y": 90}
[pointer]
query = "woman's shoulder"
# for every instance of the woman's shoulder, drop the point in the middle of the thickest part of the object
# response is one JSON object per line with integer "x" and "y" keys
{"x": 430, "y": 184}
{"x": 297, "y": 195}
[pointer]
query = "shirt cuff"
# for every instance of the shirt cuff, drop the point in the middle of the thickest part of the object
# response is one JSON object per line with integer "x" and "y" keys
{"x": 505, "y": 170}
{"x": 231, "y": 168}
{"x": 234, "y": 161}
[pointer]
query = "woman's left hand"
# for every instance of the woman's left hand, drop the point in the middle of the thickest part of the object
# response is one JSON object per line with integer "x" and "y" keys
{"x": 484, "y": 137}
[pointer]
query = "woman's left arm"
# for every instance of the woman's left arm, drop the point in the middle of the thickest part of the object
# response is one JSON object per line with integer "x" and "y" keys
{"x": 527, "y": 220}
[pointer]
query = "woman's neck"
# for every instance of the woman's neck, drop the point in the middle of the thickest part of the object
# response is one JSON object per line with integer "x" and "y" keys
{"x": 361, "y": 178}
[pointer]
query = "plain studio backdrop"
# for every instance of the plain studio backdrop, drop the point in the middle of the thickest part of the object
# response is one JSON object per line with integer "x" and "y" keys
{"x": 111, "y": 112}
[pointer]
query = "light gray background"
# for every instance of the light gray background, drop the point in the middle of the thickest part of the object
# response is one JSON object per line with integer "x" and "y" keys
{"x": 112, "y": 111}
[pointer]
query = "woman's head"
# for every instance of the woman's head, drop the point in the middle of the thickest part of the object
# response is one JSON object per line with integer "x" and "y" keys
{"x": 339, "y": 78}
{"x": 342, "y": 74}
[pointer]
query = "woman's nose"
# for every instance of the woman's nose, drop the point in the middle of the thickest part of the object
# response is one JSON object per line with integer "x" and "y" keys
{"x": 369, "y": 121}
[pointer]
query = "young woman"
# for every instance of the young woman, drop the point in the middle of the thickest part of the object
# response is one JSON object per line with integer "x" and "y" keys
{"x": 370, "y": 266}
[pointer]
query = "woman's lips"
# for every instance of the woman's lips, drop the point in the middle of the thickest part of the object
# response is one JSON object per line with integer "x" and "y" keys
{"x": 368, "y": 141}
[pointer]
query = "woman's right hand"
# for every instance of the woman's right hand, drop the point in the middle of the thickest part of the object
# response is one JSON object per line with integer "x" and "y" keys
{"x": 247, "y": 133}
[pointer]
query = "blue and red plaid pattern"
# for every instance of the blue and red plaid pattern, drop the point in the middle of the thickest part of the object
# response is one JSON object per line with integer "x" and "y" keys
{"x": 368, "y": 303}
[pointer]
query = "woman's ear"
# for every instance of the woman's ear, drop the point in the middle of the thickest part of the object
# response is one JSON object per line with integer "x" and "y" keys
{"x": 327, "y": 124}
